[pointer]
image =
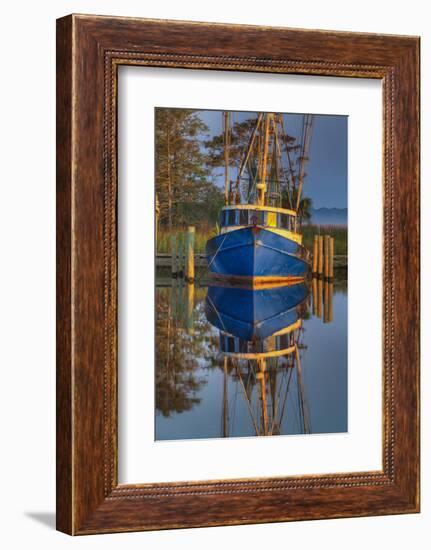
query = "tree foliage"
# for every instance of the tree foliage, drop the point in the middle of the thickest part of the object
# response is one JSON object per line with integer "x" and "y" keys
{"x": 288, "y": 172}
{"x": 184, "y": 186}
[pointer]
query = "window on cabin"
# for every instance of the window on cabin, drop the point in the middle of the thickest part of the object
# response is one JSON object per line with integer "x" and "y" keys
{"x": 230, "y": 344}
{"x": 256, "y": 217}
{"x": 231, "y": 215}
{"x": 243, "y": 217}
{"x": 284, "y": 221}
{"x": 283, "y": 341}
{"x": 242, "y": 347}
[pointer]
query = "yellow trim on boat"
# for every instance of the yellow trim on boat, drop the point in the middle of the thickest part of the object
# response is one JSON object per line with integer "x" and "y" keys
{"x": 258, "y": 207}
{"x": 242, "y": 281}
{"x": 289, "y": 328}
{"x": 283, "y": 232}
{"x": 262, "y": 355}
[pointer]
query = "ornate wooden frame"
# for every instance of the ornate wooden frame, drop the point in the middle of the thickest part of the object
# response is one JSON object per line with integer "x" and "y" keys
{"x": 89, "y": 51}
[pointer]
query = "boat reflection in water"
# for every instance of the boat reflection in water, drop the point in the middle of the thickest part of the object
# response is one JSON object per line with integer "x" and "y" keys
{"x": 259, "y": 340}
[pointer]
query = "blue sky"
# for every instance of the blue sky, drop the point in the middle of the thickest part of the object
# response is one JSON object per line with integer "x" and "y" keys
{"x": 326, "y": 181}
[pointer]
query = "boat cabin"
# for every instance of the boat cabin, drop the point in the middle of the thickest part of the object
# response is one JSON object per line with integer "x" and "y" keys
{"x": 242, "y": 215}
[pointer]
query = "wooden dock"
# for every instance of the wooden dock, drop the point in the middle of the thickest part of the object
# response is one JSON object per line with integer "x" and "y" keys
{"x": 164, "y": 259}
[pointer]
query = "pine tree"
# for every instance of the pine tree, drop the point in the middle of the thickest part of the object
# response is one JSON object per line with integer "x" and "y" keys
{"x": 183, "y": 178}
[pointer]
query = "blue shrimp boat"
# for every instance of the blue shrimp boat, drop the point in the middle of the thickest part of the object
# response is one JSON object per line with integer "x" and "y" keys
{"x": 259, "y": 242}
{"x": 254, "y": 314}
{"x": 259, "y": 333}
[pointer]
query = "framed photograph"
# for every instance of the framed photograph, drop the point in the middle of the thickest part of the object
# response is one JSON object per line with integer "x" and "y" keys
{"x": 237, "y": 274}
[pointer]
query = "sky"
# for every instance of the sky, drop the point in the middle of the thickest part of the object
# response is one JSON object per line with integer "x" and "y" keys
{"x": 326, "y": 181}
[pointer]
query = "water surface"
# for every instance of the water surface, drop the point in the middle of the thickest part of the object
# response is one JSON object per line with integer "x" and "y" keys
{"x": 233, "y": 363}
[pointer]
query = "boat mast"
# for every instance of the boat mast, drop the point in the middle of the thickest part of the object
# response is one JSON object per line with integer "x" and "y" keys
{"x": 247, "y": 154}
{"x": 265, "y": 145}
{"x": 307, "y": 126}
{"x": 261, "y": 364}
{"x": 261, "y": 186}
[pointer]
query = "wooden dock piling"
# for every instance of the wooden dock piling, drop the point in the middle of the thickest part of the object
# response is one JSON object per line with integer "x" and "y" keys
{"x": 319, "y": 297}
{"x": 326, "y": 255}
{"x": 190, "y": 254}
{"x": 190, "y": 308}
{"x": 174, "y": 255}
{"x": 314, "y": 292}
{"x": 180, "y": 264}
{"x": 320, "y": 256}
{"x": 330, "y": 308}
{"x": 315, "y": 253}
{"x": 323, "y": 257}
{"x": 331, "y": 258}
{"x": 326, "y": 302}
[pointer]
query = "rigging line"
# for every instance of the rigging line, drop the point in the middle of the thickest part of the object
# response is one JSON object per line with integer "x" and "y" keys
{"x": 246, "y": 399}
{"x": 217, "y": 313}
{"x": 247, "y": 150}
{"x": 305, "y": 405}
{"x": 199, "y": 279}
{"x": 277, "y": 395}
{"x": 284, "y": 136}
{"x": 282, "y": 171}
{"x": 235, "y": 398}
{"x": 301, "y": 391}
{"x": 253, "y": 188}
{"x": 293, "y": 405}
{"x": 283, "y": 408}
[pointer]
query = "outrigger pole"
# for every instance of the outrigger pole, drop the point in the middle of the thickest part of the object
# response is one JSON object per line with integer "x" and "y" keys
{"x": 268, "y": 124}
{"x": 303, "y": 157}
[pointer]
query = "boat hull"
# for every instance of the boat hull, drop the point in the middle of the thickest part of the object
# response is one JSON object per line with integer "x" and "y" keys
{"x": 256, "y": 255}
{"x": 254, "y": 314}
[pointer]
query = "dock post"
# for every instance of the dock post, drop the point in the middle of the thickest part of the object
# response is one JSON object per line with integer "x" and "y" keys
{"x": 190, "y": 254}
{"x": 315, "y": 253}
{"x": 326, "y": 254}
{"x": 314, "y": 292}
{"x": 180, "y": 266}
{"x": 190, "y": 308}
{"x": 319, "y": 297}
{"x": 331, "y": 309}
{"x": 320, "y": 259}
{"x": 331, "y": 257}
{"x": 326, "y": 302}
{"x": 174, "y": 255}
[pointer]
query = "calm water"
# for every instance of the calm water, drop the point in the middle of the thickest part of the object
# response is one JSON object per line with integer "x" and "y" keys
{"x": 232, "y": 362}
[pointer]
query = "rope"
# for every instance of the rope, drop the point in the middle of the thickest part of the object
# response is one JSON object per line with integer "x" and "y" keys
{"x": 213, "y": 258}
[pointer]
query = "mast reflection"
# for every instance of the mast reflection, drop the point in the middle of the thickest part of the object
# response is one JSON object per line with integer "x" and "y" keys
{"x": 259, "y": 341}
